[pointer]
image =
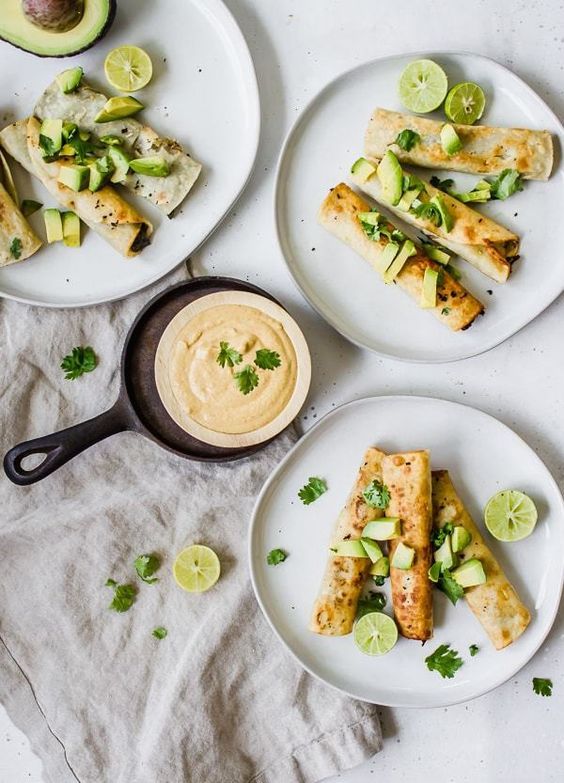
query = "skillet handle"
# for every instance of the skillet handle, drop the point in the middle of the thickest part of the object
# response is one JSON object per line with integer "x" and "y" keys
{"x": 62, "y": 446}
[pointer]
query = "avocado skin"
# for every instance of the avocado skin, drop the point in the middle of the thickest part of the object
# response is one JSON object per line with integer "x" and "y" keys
{"x": 109, "y": 21}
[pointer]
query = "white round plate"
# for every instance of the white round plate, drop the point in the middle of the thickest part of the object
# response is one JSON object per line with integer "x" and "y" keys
{"x": 203, "y": 92}
{"x": 340, "y": 285}
{"x": 483, "y": 456}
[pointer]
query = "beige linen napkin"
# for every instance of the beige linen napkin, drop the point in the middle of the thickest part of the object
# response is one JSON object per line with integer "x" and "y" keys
{"x": 219, "y": 700}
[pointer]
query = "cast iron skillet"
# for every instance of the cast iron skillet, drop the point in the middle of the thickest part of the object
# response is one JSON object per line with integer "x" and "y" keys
{"x": 138, "y": 406}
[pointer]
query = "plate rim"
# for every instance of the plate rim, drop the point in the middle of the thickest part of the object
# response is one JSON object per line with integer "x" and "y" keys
{"x": 253, "y": 524}
{"x": 230, "y": 26}
{"x": 278, "y": 188}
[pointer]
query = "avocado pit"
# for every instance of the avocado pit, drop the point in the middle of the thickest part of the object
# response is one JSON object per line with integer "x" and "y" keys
{"x": 56, "y": 16}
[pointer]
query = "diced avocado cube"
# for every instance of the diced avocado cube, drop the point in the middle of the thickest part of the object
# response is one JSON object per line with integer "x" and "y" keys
{"x": 100, "y": 173}
{"x": 51, "y": 136}
{"x": 434, "y": 572}
{"x": 53, "y": 225}
{"x": 386, "y": 257}
{"x": 118, "y": 107}
{"x": 380, "y": 567}
{"x": 446, "y": 217}
{"x": 70, "y": 129}
{"x": 436, "y": 254}
{"x": 408, "y": 249}
{"x": 71, "y": 229}
{"x": 112, "y": 141}
{"x": 372, "y": 549}
{"x": 402, "y": 557}
{"x": 70, "y": 79}
{"x": 429, "y": 290}
{"x": 460, "y": 538}
{"x": 450, "y": 140}
{"x": 151, "y": 166}
{"x": 84, "y": 135}
{"x": 390, "y": 175}
{"x": 67, "y": 151}
{"x": 362, "y": 170}
{"x": 470, "y": 573}
{"x": 74, "y": 177}
{"x": 351, "y": 548}
{"x": 407, "y": 199}
{"x": 443, "y": 555}
{"x": 475, "y": 196}
{"x": 120, "y": 159}
{"x": 483, "y": 184}
{"x": 383, "y": 529}
{"x": 370, "y": 218}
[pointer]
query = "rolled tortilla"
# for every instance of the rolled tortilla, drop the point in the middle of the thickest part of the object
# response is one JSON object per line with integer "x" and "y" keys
{"x": 81, "y": 107}
{"x": 335, "y": 607}
{"x": 408, "y": 479}
{"x": 495, "y": 604}
{"x": 474, "y": 237}
{"x": 456, "y": 307}
{"x": 17, "y": 239}
{"x": 484, "y": 150}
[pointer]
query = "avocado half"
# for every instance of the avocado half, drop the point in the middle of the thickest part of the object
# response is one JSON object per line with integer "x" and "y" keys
{"x": 16, "y": 29}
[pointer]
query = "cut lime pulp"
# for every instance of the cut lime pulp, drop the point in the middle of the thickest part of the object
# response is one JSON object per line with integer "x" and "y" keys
{"x": 422, "y": 86}
{"x": 510, "y": 515}
{"x": 128, "y": 68}
{"x": 196, "y": 568}
{"x": 375, "y": 633}
{"x": 465, "y": 103}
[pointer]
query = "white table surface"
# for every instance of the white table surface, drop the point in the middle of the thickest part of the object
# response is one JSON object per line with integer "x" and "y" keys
{"x": 297, "y": 46}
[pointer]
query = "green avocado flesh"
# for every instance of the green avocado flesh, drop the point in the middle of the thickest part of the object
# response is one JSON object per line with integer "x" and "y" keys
{"x": 372, "y": 549}
{"x": 71, "y": 229}
{"x": 383, "y": 529}
{"x": 17, "y": 30}
{"x": 470, "y": 573}
{"x": 53, "y": 225}
{"x": 460, "y": 538}
{"x": 390, "y": 175}
{"x": 380, "y": 568}
{"x": 351, "y": 548}
{"x": 403, "y": 557}
{"x": 74, "y": 177}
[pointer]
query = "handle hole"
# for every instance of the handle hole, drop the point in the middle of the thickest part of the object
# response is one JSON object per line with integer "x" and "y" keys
{"x": 32, "y": 461}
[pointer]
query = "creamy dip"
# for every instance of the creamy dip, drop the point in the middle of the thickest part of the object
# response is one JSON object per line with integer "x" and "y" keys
{"x": 207, "y": 392}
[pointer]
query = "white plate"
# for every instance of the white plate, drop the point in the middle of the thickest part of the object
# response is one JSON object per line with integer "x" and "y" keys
{"x": 483, "y": 456}
{"x": 203, "y": 92}
{"x": 328, "y": 137}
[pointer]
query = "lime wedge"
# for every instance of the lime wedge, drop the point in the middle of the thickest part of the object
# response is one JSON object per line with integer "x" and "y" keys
{"x": 128, "y": 68}
{"x": 375, "y": 633}
{"x": 510, "y": 515}
{"x": 196, "y": 568}
{"x": 465, "y": 103}
{"x": 422, "y": 86}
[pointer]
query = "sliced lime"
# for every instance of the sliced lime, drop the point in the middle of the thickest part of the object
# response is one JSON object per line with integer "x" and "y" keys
{"x": 196, "y": 568}
{"x": 375, "y": 633}
{"x": 510, "y": 515}
{"x": 465, "y": 103}
{"x": 422, "y": 86}
{"x": 128, "y": 68}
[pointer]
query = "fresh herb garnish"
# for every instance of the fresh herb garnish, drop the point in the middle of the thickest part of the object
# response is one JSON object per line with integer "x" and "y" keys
{"x": 79, "y": 361}
{"x": 146, "y": 565}
{"x": 379, "y": 580}
{"x": 450, "y": 587}
{"x": 267, "y": 360}
{"x": 276, "y": 556}
{"x": 246, "y": 379}
{"x": 314, "y": 488}
{"x": 474, "y": 650}
{"x": 452, "y": 271}
{"x": 372, "y": 231}
{"x": 445, "y": 311}
{"x": 376, "y": 494}
{"x": 228, "y": 356}
{"x": 442, "y": 184}
{"x": 29, "y": 206}
{"x": 16, "y": 248}
{"x": 407, "y": 139}
{"x": 374, "y": 603}
{"x": 444, "y": 660}
{"x": 542, "y": 686}
{"x": 506, "y": 184}
{"x": 49, "y": 148}
{"x": 159, "y": 632}
{"x": 83, "y": 149}
{"x": 411, "y": 182}
{"x": 124, "y": 596}
{"x": 438, "y": 535}
{"x": 430, "y": 212}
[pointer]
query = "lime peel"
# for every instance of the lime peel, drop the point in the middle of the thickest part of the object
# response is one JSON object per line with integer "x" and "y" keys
{"x": 196, "y": 568}
{"x": 375, "y": 633}
{"x": 510, "y": 515}
{"x": 422, "y": 86}
{"x": 128, "y": 68}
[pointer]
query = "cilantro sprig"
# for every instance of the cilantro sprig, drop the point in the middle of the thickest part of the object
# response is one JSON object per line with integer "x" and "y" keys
{"x": 160, "y": 632}
{"x": 228, "y": 356}
{"x": 474, "y": 650}
{"x": 375, "y": 602}
{"x": 406, "y": 139}
{"x": 79, "y": 361}
{"x": 124, "y": 596}
{"x": 246, "y": 379}
{"x": 314, "y": 488}
{"x": 16, "y": 248}
{"x": 438, "y": 535}
{"x": 542, "y": 686}
{"x": 276, "y": 556}
{"x": 267, "y": 360}
{"x": 506, "y": 184}
{"x": 450, "y": 587}
{"x": 146, "y": 566}
{"x": 376, "y": 494}
{"x": 444, "y": 660}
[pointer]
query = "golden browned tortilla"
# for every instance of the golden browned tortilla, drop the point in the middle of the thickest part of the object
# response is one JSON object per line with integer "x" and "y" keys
{"x": 17, "y": 239}
{"x": 455, "y": 307}
{"x": 408, "y": 479}
{"x": 335, "y": 607}
{"x": 495, "y": 604}
{"x": 484, "y": 150}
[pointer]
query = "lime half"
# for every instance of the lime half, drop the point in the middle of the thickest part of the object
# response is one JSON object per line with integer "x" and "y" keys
{"x": 422, "y": 86}
{"x": 465, "y": 103}
{"x": 196, "y": 568}
{"x": 510, "y": 515}
{"x": 375, "y": 633}
{"x": 128, "y": 68}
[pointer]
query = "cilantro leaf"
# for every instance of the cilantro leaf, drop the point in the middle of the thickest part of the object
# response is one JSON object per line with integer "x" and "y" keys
{"x": 48, "y": 147}
{"x": 267, "y": 360}
{"x": 438, "y": 535}
{"x": 411, "y": 182}
{"x": 79, "y": 361}
{"x": 450, "y": 587}
{"x": 276, "y": 556}
{"x": 83, "y": 149}
{"x": 407, "y": 139}
{"x": 29, "y": 206}
{"x": 444, "y": 661}
{"x": 146, "y": 565}
{"x": 442, "y": 184}
{"x": 16, "y": 248}
{"x": 376, "y": 495}
{"x": 228, "y": 355}
{"x": 474, "y": 650}
{"x": 428, "y": 211}
{"x": 124, "y": 596}
{"x": 445, "y": 311}
{"x": 379, "y": 580}
{"x": 246, "y": 379}
{"x": 314, "y": 488}
{"x": 374, "y": 603}
{"x": 373, "y": 231}
{"x": 506, "y": 184}
{"x": 542, "y": 686}
{"x": 159, "y": 632}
